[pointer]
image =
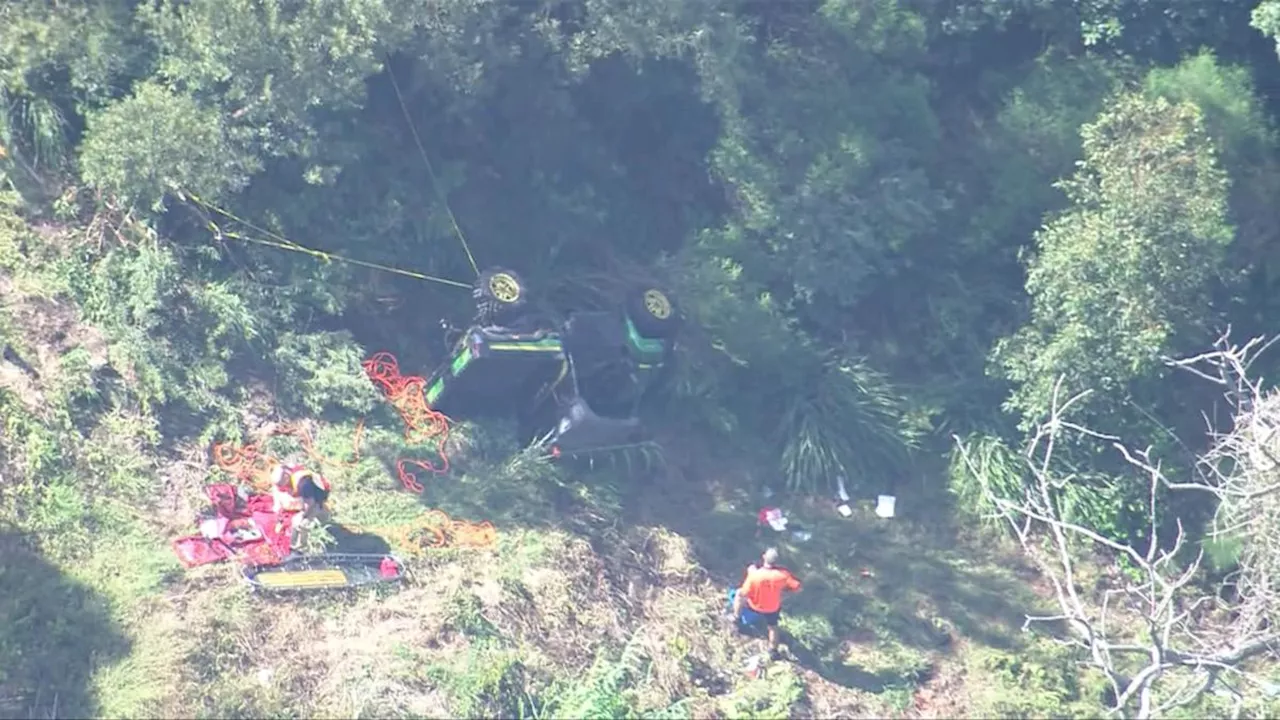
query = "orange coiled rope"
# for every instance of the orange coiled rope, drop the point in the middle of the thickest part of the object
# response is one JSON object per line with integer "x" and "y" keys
{"x": 251, "y": 466}
{"x": 407, "y": 393}
{"x": 433, "y": 529}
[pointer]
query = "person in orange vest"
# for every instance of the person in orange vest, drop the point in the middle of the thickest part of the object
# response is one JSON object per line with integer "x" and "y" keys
{"x": 297, "y": 489}
{"x": 759, "y": 599}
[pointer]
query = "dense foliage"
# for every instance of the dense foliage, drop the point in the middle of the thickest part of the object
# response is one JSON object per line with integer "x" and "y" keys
{"x": 887, "y": 221}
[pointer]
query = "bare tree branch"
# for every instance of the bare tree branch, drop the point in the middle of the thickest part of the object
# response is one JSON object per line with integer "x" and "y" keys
{"x": 1158, "y": 620}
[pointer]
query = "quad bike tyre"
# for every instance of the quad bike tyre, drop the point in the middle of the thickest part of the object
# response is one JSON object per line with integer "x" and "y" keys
{"x": 653, "y": 312}
{"x": 500, "y": 295}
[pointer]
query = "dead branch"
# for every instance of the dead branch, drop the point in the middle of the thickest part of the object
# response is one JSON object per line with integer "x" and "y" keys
{"x": 1150, "y": 624}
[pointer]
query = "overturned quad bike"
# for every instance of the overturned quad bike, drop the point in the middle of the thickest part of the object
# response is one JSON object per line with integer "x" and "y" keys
{"x": 575, "y": 383}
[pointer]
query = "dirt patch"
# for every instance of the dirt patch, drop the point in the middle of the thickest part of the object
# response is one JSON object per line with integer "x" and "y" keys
{"x": 40, "y": 332}
{"x": 374, "y": 643}
{"x": 943, "y": 695}
{"x": 51, "y": 327}
{"x": 183, "y": 477}
{"x": 25, "y": 387}
{"x": 829, "y": 700}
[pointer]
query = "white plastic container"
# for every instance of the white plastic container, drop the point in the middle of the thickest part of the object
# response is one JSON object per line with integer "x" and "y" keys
{"x": 884, "y": 506}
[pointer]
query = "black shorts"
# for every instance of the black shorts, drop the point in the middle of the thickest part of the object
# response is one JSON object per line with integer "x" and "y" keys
{"x": 770, "y": 619}
{"x": 755, "y": 617}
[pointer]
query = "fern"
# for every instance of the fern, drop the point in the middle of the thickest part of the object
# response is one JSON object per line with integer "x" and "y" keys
{"x": 605, "y": 693}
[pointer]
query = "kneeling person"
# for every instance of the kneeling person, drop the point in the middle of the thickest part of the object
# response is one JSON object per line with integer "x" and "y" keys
{"x": 297, "y": 489}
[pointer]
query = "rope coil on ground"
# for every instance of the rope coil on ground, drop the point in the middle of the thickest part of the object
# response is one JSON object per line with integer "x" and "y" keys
{"x": 407, "y": 393}
{"x": 251, "y": 466}
{"x": 434, "y": 529}
{"x": 422, "y": 425}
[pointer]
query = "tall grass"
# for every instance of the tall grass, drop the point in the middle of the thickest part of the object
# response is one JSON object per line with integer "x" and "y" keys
{"x": 983, "y": 466}
{"x": 981, "y": 463}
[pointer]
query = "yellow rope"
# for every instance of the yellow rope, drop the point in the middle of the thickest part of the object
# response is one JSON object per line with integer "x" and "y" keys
{"x": 284, "y": 243}
{"x": 435, "y": 184}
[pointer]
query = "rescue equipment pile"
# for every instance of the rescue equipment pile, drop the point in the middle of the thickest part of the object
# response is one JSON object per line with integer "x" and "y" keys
{"x": 240, "y": 525}
{"x": 243, "y": 524}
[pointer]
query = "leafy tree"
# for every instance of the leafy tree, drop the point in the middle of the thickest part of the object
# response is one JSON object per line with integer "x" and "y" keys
{"x": 272, "y": 66}
{"x": 159, "y": 141}
{"x": 1236, "y": 117}
{"x": 1266, "y": 20}
{"x": 77, "y": 51}
{"x": 829, "y": 190}
{"x": 56, "y": 63}
{"x": 967, "y": 291}
{"x": 1123, "y": 276}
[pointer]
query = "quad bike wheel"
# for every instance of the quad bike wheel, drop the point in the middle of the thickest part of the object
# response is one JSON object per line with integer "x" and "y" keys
{"x": 500, "y": 295}
{"x": 653, "y": 312}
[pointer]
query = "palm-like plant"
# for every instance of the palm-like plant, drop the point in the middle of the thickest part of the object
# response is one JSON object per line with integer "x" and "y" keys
{"x": 847, "y": 421}
{"x": 33, "y": 129}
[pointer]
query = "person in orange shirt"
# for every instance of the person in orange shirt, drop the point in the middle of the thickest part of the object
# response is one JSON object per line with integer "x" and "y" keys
{"x": 298, "y": 490}
{"x": 761, "y": 595}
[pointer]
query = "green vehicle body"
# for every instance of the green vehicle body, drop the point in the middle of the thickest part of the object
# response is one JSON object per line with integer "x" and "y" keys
{"x": 575, "y": 385}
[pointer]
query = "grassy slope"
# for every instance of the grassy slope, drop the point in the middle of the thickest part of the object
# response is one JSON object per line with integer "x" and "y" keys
{"x": 601, "y": 597}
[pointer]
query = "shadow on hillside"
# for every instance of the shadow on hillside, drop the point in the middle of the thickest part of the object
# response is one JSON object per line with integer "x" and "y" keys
{"x": 849, "y": 676}
{"x": 54, "y": 632}
{"x": 346, "y": 540}
{"x": 867, "y": 581}
{"x": 866, "y": 630}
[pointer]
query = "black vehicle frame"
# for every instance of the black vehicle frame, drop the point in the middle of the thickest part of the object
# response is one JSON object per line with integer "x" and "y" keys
{"x": 575, "y": 384}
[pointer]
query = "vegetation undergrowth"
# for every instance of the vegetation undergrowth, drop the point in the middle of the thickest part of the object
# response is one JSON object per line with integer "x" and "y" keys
{"x": 212, "y": 212}
{"x": 578, "y": 610}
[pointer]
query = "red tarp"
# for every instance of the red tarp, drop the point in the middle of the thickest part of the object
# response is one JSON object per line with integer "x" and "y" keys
{"x": 243, "y": 527}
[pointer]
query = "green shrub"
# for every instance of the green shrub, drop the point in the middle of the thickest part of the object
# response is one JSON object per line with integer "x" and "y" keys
{"x": 1038, "y": 680}
{"x": 321, "y": 371}
{"x": 158, "y": 141}
{"x": 488, "y": 681}
{"x": 848, "y": 422}
{"x": 774, "y": 696}
{"x": 822, "y": 415}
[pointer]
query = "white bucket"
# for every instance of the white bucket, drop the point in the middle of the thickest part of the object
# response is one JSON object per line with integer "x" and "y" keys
{"x": 884, "y": 506}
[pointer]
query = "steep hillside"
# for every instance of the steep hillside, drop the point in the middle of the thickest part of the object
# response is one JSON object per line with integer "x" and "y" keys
{"x": 601, "y": 596}
{"x": 969, "y": 254}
